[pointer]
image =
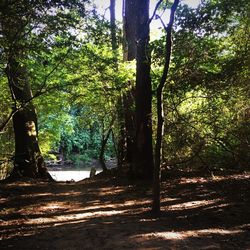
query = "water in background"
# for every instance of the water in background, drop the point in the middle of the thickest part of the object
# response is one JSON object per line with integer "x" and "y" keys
{"x": 70, "y": 175}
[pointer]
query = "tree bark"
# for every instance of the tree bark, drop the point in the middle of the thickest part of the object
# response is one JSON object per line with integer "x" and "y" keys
{"x": 126, "y": 99}
{"x": 129, "y": 30}
{"x": 28, "y": 161}
{"x": 143, "y": 158}
{"x": 160, "y": 113}
{"x": 113, "y": 26}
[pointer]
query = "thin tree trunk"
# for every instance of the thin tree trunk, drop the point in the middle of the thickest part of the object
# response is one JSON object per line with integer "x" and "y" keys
{"x": 104, "y": 143}
{"x": 160, "y": 113}
{"x": 113, "y": 26}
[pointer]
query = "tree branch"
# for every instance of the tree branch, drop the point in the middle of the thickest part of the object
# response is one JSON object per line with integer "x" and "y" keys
{"x": 156, "y": 7}
{"x": 4, "y": 124}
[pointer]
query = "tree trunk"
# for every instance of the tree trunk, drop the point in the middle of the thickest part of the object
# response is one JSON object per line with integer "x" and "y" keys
{"x": 113, "y": 26}
{"x": 129, "y": 116}
{"x": 143, "y": 158}
{"x": 160, "y": 113}
{"x": 129, "y": 30}
{"x": 104, "y": 143}
{"x": 126, "y": 99}
{"x": 28, "y": 159}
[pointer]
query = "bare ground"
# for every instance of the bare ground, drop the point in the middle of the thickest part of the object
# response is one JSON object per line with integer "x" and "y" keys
{"x": 109, "y": 213}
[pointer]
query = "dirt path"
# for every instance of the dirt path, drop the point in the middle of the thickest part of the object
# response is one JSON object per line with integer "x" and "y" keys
{"x": 198, "y": 213}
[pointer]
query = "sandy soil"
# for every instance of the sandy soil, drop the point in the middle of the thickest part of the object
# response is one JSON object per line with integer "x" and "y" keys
{"x": 110, "y": 213}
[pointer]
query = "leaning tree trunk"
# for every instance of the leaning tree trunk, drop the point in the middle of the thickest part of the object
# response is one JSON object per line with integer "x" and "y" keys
{"x": 143, "y": 158}
{"x": 105, "y": 139}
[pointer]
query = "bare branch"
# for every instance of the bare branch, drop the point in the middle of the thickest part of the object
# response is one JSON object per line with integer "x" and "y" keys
{"x": 5, "y": 123}
{"x": 156, "y": 7}
{"x": 163, "y": 24}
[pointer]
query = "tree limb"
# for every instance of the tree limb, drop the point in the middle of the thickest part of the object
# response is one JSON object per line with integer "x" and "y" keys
{"x": 154, "y": 12}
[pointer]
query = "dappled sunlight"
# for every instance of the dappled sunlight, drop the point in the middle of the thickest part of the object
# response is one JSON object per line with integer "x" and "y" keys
{"x": 192, "y": 204}
{"x": 37, "y": 195}
{"x": 188, "y": 234}
{"x": 213, "y": 178}
{"x": 71, "y": 218}
{"x": 107, "y": 215}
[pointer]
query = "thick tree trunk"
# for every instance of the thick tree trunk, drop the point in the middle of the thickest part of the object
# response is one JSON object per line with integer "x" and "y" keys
{"x": 129, "y": 116}
{"x": 126, "y": 99}
{"x": 28, "y": 159}
{"x": 143, "y": 158}
{"x": 129, "y": 30}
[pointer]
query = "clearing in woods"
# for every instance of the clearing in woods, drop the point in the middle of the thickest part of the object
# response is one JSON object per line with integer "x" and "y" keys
{"x": 110, "y": 213}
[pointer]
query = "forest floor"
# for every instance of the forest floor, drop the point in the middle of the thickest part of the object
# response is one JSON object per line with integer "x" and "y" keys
{"x": 109, "y": 213}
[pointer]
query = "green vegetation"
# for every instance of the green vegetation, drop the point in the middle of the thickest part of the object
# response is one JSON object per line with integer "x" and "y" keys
{"x": 77, "y": 80}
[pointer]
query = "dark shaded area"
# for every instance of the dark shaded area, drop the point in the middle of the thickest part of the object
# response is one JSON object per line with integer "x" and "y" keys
{"x": 198, "y": 213}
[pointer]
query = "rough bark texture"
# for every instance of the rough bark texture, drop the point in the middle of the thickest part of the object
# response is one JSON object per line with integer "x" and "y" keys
{"x": 160, "y": 113}
{"x": 113, "y": 25}
{"x": 143, "y": 158}
{"x": 127, "y": 115}
{"x": 28, "y": 159}
{"x": 129, "y": 29}
{"x": 121, "y": 145}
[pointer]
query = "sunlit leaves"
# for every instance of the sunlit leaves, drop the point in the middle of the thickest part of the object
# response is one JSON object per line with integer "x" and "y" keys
{"x": 207, "y": 86}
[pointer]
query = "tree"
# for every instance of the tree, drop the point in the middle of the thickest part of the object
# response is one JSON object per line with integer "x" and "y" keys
{"x": 206, "y": 85}
{"x": 143, "y": 156}
{"x": 160, "y": 112}
{"x": 126, "y": 100}
{"x": 19, "y": 21}
{"x": 28, "y": 159}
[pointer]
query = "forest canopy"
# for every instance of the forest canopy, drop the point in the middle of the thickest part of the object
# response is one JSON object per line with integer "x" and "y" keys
{"x": 62, "y": 58}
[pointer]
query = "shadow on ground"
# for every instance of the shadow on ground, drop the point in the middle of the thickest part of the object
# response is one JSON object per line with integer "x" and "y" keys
{"x": 197, "y": 213}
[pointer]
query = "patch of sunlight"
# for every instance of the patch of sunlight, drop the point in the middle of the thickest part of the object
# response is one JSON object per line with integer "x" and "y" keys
{"x": 188, "y": 234}
{"x": 71, "y": 194}
{"x": 72, "y": 218}
{"x": 219, "y": 231}
{"x": 53, "y": 206}
{"x": 3, "y": 200}
{"x": 214, "y": 178}
{"x": 193, "y": 180}
{"x": 119, "y": 205}
{"x": 20, "y": 184}
{"x": 31, "y": 128}
{"x": 167, "y": 199}
{"x": 218, "y": 206}
{"x": 192, "y": 204}
{"x": 112, "y": 190}
{"x": 35, "y": 196}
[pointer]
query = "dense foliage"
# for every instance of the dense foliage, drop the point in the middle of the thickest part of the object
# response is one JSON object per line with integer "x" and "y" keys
{"x": 73, "y": 75}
